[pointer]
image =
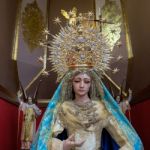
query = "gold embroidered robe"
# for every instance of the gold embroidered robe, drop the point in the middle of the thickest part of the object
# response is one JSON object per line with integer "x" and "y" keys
{"x": 86, "y": 122}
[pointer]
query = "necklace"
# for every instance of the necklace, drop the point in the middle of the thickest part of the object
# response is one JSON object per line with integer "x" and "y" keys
{"x": 86, "y": 113}
{"x": 83, "y": 104}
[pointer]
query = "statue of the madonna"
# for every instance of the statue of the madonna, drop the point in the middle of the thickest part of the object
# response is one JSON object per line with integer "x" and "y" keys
{"x": 81, "y": 104}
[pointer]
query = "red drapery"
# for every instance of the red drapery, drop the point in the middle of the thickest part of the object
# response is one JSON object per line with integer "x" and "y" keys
{"x": 8, "y": 126}
{"x": 140, "y": 117}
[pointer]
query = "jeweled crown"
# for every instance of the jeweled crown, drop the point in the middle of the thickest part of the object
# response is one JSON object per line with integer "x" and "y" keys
{"x": 79, "y": 44}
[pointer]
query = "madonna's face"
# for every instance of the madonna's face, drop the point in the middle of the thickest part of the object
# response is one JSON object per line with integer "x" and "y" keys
{"x": 81, "y": 84}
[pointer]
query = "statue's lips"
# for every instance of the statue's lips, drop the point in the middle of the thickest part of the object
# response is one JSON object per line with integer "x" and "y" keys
{"x": 81, "y": 90}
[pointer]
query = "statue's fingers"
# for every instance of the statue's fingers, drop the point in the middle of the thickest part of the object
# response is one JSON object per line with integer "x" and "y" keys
{"x": 71, "y": 137}
{"x": 78, "y": 144}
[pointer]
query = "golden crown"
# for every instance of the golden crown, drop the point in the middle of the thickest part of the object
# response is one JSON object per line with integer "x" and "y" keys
{"x": 79, "y": 44}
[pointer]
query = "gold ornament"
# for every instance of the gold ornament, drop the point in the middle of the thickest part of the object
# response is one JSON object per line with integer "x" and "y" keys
{"x": 33, "y": 25}
{"x": 80, "y": 44}
{"x": 71, "y": 15}
{"x": 112, "y": 13}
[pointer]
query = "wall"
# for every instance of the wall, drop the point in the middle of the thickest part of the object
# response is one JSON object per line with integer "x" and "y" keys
{"x": 139, "y": 23}
{"x": 8, "y": 68}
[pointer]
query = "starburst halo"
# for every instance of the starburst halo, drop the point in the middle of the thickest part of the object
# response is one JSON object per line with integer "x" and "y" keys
{"x": 57, "y": 20}
{"x": 80, "y": 44}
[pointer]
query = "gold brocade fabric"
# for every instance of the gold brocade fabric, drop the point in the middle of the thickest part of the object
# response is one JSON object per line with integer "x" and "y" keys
{"x": 86, "y": 122}
{"x": 28, "y": 125}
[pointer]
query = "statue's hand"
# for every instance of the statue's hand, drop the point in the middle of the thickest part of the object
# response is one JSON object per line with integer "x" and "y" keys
{"x": 70, "y": 143}
{"x": 19, "y": 93}
{"x": 130, "y": 91}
